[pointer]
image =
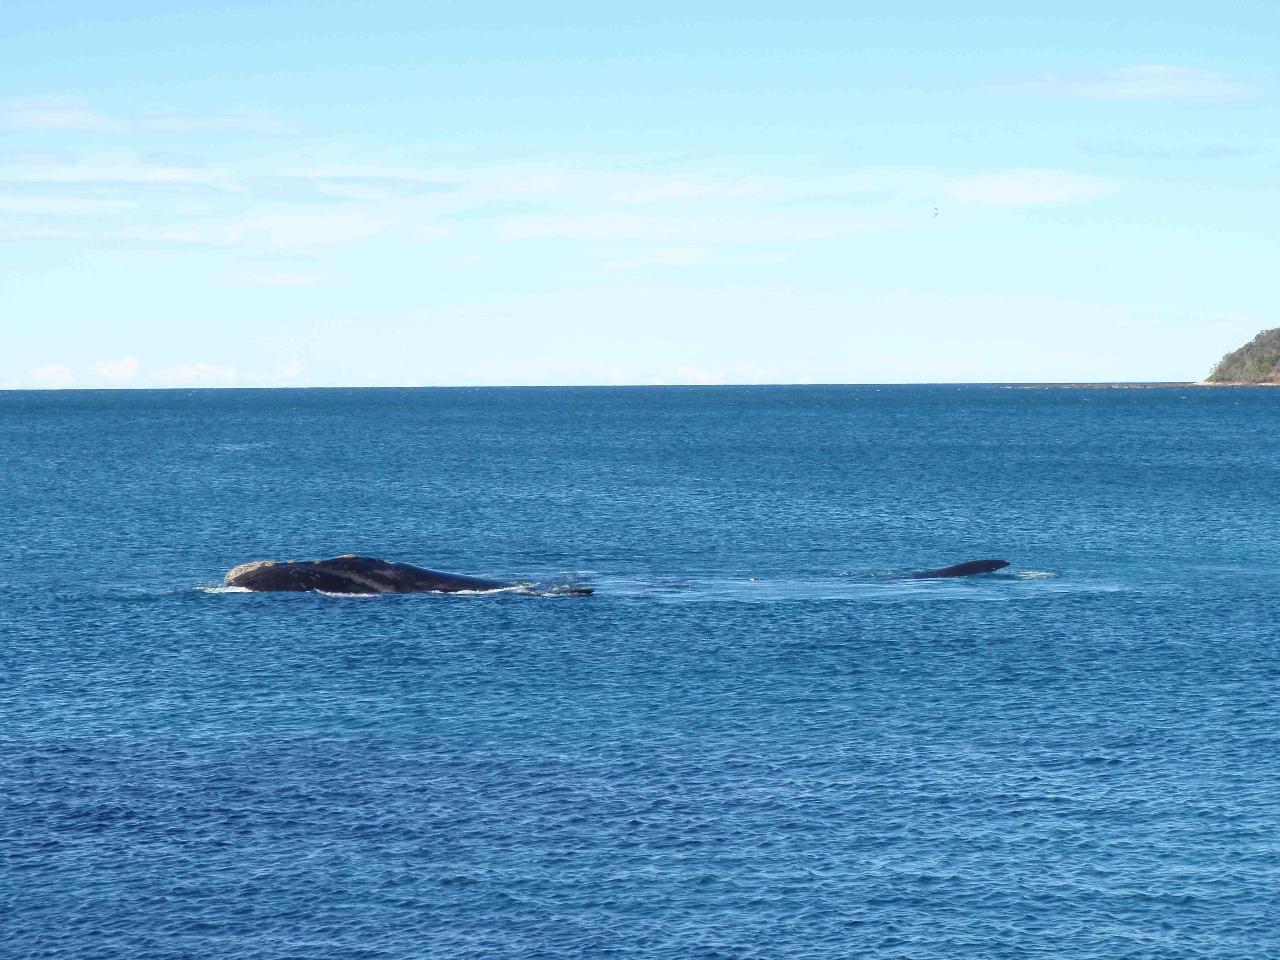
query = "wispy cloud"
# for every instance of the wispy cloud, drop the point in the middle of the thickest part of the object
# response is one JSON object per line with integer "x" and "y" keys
{"x": 580, "y": 226}
{"x": 127, "y": 372}
{"x": 685, "y": 189}
{"x": 1154, "y": 81}
{"x": 739, "y": 227}
{"x": 112, "y": 170}
{"x": 695, "y": 375}
{"x": 70, "y": 115}
{"x": 303, "y": 231}
{"x": 62, "y": 206}
{"x": 432, "y": 232}
{"x": 1155, "y": 150}
{"x": 117, "y": 371}
{"x": 284, "y": 373}
{"x": 279, "y": 278}
{"x": 664, "y": 257}
{"x": 197, "y": 375}
{"x": 1026, "y": 188}
{"x": 680, "y": 257}
{"x": 302, "y": 203}
{"x": 297, "y": 233}
{"x": 53, "y": 376}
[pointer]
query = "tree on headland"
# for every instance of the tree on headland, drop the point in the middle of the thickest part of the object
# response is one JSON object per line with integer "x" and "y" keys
{"x": 1258, "y": 361}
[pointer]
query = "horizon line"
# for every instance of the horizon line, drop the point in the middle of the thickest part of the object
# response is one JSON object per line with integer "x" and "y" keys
{"x": 638, "y": 386}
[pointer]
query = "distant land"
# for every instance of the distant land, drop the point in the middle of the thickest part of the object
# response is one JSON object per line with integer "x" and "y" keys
{"x": 1256, "y": 363}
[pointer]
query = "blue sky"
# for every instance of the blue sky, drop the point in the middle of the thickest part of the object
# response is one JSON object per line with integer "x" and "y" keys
{"x": 218, "y": 194}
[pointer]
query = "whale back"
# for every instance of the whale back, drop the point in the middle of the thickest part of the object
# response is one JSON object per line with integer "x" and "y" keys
{"x": 244, "y": 569}
{"x": 268, "y": 576}
{"x": 387, "y": 576}
{"x": 969, "y": 568}
{"x": 351, "y": 573}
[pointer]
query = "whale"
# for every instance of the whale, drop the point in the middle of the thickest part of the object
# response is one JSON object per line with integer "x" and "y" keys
{"x": 970, "y": 568}
{"x": 352, "y": 574}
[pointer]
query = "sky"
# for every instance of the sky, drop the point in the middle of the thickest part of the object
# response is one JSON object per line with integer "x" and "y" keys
{"x": 392, "y": 193}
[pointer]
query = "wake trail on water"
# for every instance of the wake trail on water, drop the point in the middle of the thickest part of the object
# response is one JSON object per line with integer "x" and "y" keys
{"x": 853, "y": 587}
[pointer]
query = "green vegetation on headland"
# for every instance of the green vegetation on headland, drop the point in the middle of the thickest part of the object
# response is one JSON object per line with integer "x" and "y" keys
{"x": 1258, "y": 361}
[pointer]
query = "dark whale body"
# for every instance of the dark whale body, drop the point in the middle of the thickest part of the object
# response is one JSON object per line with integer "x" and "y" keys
{"x": 353, "y": 574}
{"x": 967, "y": 569}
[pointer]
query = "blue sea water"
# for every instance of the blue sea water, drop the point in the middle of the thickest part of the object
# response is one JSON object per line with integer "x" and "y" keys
{"x": 754, "y": 740}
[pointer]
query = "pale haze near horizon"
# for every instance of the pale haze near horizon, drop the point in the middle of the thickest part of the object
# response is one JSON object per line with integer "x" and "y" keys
{"x": 297, "y": 194}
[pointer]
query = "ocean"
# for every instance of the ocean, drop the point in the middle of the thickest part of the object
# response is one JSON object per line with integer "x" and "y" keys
{"x": 757, "y": 739}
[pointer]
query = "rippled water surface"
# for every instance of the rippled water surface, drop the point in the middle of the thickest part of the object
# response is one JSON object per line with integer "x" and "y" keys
{"x": 755, "y": 740}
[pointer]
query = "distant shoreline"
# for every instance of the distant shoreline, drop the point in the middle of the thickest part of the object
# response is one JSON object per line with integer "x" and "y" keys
{"x": 1233, "y": 383}
{"x": 1140, "y": 385}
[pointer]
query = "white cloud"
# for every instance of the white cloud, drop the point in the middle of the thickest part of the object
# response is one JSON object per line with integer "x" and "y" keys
{"x": 667, "y": 257}
{"x": 618, "y": 376}
{"x": 54, "y": 376}
{"x": 696, "y": 376}
{"x": 279, "y": 203}
{"x": 55, "y": 206}
{"x": 70, "y": 115}
{"x": 583, "y": 226}
{"x": 693, "y": 375}
{"x": 710, "y": 229}
{"x": 166, "y": 235}
{"x": 296, "y": 278}
{"x": 117, "y": 371}
{"x": 197, "y": 375}
{"x": 54, "y": 113}
{"x": 1156, "y": 81}
{"x": 678, "y": 257}
{"x": 17, "y": 232}
{"x": 294, "y": 233}
{"x": 1027, "y": 187}
{"x": 432, "y": 232}
{"x": 688, "y": 189}
{"x": 282, "y": 374}
{"x": 1151, "y": 149}
{"x": 112, "y": 171}
{"x": 530, "y": 184}
{"x": 301, "y": 231}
